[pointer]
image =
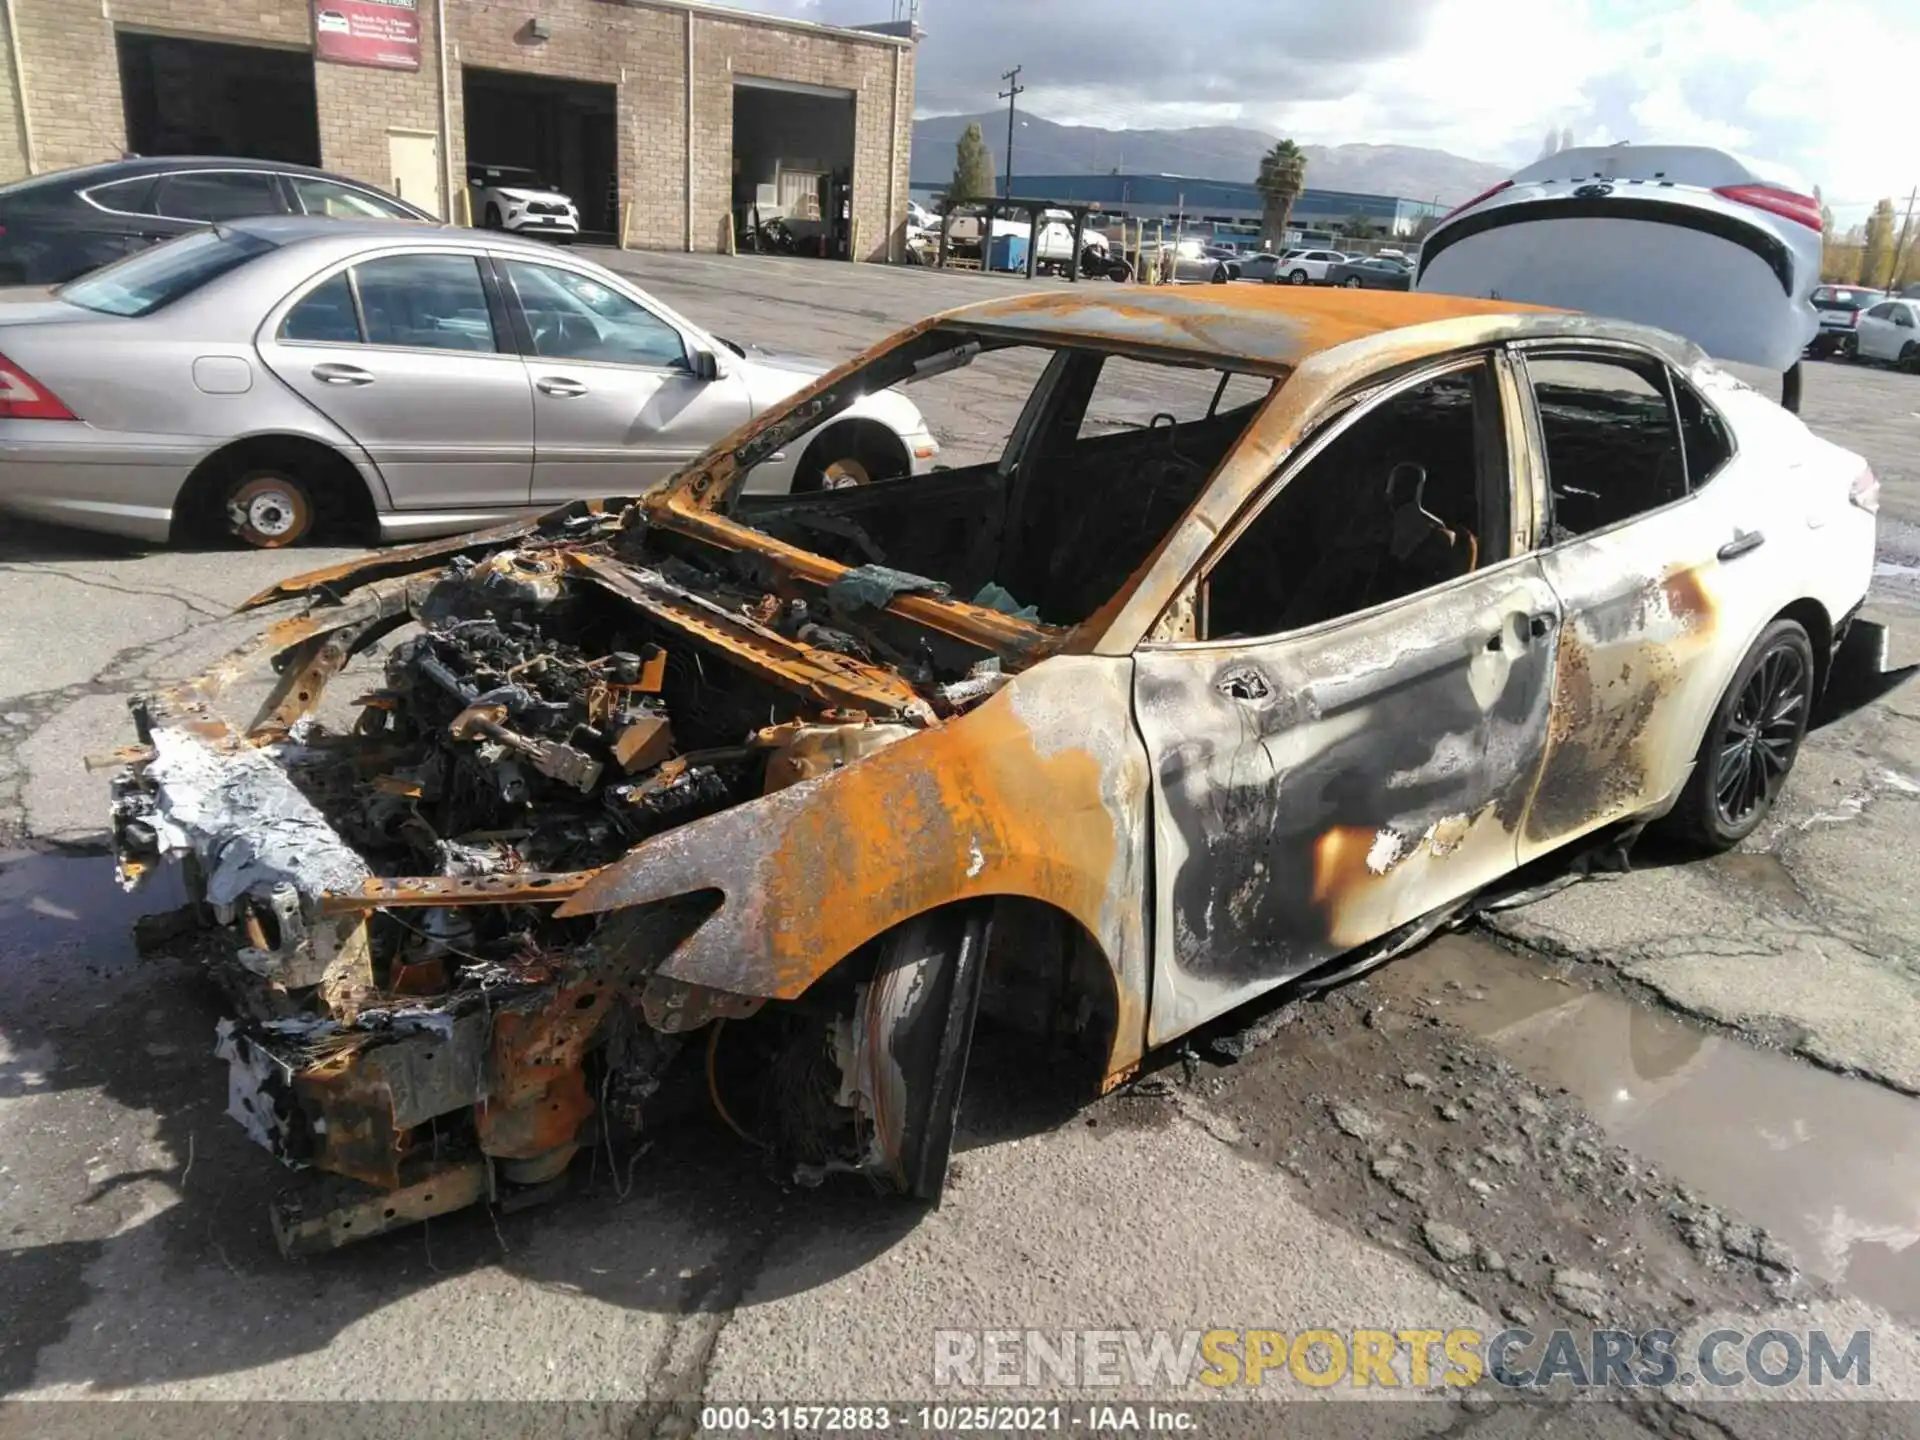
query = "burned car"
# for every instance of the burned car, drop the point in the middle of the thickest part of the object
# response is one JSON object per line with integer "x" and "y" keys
{"x": 1280, "y": 624}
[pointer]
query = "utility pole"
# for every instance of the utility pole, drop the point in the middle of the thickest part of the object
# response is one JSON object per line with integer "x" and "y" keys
{"x": 1013, "y": 92}
{"x": 1900, "y": 246}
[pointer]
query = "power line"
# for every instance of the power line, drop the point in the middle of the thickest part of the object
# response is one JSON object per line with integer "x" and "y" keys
{"x": 1013, "y": 92}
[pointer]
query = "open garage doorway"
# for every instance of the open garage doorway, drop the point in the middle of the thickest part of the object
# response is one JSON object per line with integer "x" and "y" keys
{"x": 197, "y": 97}
{"x": 564, "y": 131}
{"x": 793, "y": 167}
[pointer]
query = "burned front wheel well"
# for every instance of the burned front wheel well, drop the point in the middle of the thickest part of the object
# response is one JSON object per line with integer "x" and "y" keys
{"x": 339, "y": 491}
{"x": 1046, "y": 976}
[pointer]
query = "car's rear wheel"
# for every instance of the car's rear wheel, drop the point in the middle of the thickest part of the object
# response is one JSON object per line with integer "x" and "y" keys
{"x": 1751, "y": 742}
{"x": 1352, "y": 282}
{"x": 1220, "y": 276}
{"x": 269, "y": 509}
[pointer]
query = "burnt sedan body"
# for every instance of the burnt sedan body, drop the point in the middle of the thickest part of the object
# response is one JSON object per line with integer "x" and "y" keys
{"x": 1103, "y": 733}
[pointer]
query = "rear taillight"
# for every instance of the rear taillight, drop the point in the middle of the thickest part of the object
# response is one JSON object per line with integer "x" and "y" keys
{"x": 24, "y": 398}
{"x": 1865, "y": 491}
{"x": 1775, "y": 201}
{"x": 1853, "y": 317}
{"x": 1486, "y": 194}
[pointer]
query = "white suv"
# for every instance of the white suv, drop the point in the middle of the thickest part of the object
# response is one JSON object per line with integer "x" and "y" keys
{"x": 509, "y": 197}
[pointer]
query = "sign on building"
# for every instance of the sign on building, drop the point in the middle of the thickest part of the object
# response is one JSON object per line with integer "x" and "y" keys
{"x": 384, "y": 33}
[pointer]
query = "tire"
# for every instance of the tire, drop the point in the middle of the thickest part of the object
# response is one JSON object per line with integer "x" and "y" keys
{"x": 1120, "y": 272}
{"x": 1220, "y": 276}
{"x": 1296, "y": 277}
{"x": 1751, "y": 742}
{"x": 492, "y": 217}
{"x": 1352, "y": 282}
{"x": 269, "y": 509}
{"x": 1910, "y": 357}
{"x": 919, "y": 1012}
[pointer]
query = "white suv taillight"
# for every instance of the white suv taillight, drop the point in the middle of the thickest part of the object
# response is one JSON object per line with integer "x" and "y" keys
{"x": 1865, "y": 491}
{"x": 24, "y": 398}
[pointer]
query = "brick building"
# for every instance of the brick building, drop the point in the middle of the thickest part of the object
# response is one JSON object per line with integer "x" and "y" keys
{"x": 667, "y": 116}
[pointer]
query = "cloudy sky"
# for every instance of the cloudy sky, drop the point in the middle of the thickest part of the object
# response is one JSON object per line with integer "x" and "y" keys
{"x": 1783, "y": 80}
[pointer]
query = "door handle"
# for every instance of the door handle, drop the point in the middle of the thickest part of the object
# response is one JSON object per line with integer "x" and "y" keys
{"x": 334, "y": 374}
{"x": 559, "y": 386}
{"x": 1742, "y": 544}
{"x": 1535, "y": 627}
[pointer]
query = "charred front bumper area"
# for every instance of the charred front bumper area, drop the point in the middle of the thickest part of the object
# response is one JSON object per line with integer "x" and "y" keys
{"x": 382, "y": 895}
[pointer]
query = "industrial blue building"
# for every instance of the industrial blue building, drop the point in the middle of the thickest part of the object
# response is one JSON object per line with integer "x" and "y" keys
{"x": 1230, "y": 209}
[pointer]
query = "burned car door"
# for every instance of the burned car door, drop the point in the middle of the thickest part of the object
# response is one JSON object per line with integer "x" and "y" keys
{"x": 1350, "y": 738}
{"x": 1634, "y": 556}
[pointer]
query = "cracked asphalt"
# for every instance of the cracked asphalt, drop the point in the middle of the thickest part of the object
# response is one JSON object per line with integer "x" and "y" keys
{"x": 1677, "y": 1096}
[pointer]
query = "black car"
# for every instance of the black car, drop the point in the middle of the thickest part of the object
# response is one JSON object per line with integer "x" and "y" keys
{"x": 58, "y": 226}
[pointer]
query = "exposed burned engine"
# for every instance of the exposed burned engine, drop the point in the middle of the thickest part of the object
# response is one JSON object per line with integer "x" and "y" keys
{"x": 413, "y": 1013}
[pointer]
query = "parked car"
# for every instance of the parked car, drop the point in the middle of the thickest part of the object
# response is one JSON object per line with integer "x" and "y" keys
{"x": 272, "y": 373}
{"x": 60, "y": 225}
{"x": 1689, "y": 238}
{"x": 1260, "y": 265}
{"x": 1839, "y": 307}
{"x": 1303, "y": 678}
{"x": 1189, "y": 260}
{"x": 1370, "y": 273}
{"x": 1309, "y": 267}
{"x": 1890, "y": 331}
{"x": 511, "y": 197}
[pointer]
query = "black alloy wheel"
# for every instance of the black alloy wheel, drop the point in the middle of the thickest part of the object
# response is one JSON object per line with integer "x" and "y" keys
{"x": 1750, "y": 743}
{"x": 1762, "y": 734}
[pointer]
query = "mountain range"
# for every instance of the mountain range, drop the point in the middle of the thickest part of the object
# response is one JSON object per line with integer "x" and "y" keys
{"x": 1212, "y": 152}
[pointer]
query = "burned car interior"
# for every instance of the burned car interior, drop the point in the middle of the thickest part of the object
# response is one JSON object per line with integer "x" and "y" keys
{"x": 1412, "y": 493}
{"x": 1072, "y": 506}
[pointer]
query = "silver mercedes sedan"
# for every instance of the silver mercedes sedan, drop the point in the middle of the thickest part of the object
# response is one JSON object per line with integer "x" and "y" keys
{"x": 268, "y": 376}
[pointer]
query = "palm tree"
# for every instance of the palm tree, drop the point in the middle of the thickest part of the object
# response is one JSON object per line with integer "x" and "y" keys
{"x": 1283, "y": 175}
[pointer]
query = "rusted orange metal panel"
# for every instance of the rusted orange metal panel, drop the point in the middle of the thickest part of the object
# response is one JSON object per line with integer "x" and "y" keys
{"x": 828, "y": 679}
{"x": 434, "y": 891}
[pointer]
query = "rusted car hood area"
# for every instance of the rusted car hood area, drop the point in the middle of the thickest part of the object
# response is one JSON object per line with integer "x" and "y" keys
{"x": 383, "y": 897}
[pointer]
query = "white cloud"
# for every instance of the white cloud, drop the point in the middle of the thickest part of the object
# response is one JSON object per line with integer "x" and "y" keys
{"x": 1789, "y": 82}
{"x": 1664, "y": 116}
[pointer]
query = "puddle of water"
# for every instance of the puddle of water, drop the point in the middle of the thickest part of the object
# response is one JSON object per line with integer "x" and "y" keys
{"x": 70, "y": 909}
{"x": 1829, "y": 1164}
